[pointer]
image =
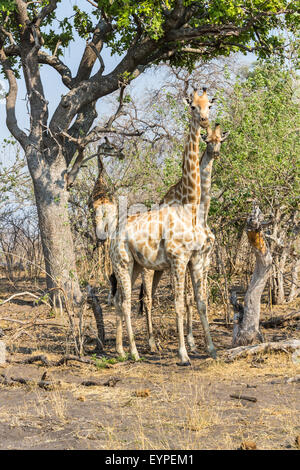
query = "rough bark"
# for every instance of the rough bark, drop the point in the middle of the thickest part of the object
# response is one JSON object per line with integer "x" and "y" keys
{"x": 246, "y": 328}
{"x": 93, "y": 298}
{"x": 52, "y": 205}
{"x": 295, "y": 287}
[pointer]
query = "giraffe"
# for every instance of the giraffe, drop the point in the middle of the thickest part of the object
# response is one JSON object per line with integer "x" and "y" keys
{"x": 103, "y": 207}
{"x": 213, "y": 140}
{"x": 105, "y": 211}
{"x": 168, "y": 237}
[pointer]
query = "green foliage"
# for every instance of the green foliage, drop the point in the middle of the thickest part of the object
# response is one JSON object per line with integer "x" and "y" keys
{"x": 260, "y": 160}
{"x": 104, "y": 362}
{"x": 148, "y": 19}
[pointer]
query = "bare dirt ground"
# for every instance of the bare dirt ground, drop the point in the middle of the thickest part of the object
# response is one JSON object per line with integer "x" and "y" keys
{"x": 152, "y": 404}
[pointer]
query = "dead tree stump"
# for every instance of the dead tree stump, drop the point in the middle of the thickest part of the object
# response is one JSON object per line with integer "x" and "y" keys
{"x": 246, "y": 317}
{"x": 94, "y": 301}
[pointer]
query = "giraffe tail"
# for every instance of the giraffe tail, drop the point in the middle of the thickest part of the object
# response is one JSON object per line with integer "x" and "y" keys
{"x": 113, "y": 284}
{"x": 141, "y": 300}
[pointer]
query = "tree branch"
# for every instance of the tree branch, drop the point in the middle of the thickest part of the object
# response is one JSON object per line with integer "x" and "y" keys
{"x": 59, "y": 66}
{"x": 45, "y": 11}
{"x": 92, "y": 52}
{"x": 11, "y": 120}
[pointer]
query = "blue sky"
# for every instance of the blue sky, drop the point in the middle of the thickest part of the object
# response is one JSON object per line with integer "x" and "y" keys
{"x": 53, "y": 86}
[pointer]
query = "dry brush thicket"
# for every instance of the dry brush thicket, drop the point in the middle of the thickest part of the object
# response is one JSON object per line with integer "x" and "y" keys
{"x": 143, "y": 167}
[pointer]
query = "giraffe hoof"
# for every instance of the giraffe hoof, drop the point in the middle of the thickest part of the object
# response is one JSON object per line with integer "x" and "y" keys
{"x": 121, "y": 355}
{"x": 135, "y": 357}
{"x": 153, "y": 348}
{"x": 213, "y": 353}
{"x": 184, "y": 364}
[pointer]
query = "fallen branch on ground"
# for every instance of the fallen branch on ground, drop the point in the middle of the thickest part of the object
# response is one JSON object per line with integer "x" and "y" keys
{"x": 32, "y": 359}
{"x": 46, "y": 385}
{"x": 244, "y": 351}
{"x": 287, "y": 380}
{"x": 67, "y": 358}
{"x": 276, "y": 321}
{"x": 20, "y": 294}
{"x": 49, "y": 384}
{"x": 243, "y": 397}
{"x": 60, "y": 362}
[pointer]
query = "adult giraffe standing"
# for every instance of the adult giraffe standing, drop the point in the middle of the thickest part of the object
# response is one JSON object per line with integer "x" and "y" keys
{"x": 168, "y": 237}
{"x": 213, "y": 140}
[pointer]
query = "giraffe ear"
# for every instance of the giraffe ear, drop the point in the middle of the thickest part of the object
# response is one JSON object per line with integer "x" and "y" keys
{"x": 225, "y": 135}
{"x": 203, "y": 137}
{"x": 211, "y": 102}
{"x": 218, "y": 130}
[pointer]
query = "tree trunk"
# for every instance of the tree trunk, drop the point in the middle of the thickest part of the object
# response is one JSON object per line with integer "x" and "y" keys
{"x": 51, "y": 197}
{"x": 279, "y": 297}
{"x": 246, "y": 328}
{"x": 295, "y": 286}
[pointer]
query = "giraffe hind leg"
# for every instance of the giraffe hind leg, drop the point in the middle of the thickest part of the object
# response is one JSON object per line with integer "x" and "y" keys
{"x": 125, "y": 280}
{"x": 197, "y": 278}
{"x": 178, "y": 272}
{"x": 189, "y": 300}
{"x": 148, "y": 284}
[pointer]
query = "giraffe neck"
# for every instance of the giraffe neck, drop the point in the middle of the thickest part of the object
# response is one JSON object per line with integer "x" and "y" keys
{"x": 104, "y": 207}
{"x": 191, "y": 190}
{"x": 205, "y": 173}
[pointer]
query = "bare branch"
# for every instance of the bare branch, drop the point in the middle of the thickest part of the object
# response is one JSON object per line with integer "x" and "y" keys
{"x": 21, "y": 294}
{"x": 58, "y": 65}
{"x": 102, "y": 66}
{"x": 92, "y": 3}
{"x": 92, "y": 51}
{"x": 72, "y": 174}
{"x": 11, "y": 98}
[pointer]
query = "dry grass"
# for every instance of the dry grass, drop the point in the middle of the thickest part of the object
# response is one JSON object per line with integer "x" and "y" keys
{"x": 154, "y": 404}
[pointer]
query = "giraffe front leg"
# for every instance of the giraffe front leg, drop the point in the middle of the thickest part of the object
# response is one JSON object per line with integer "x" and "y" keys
{"x": 155, "y": 281}
{"x": 119, "y": 325}
{"x": 147, "y": 276}
{"x": 127, "y": 314}
{"x": 189, "y": 309}
{"x": 203, "y": 281}
{"x": 126, "y": 276}
{"x": 197, "y": 278}
{"x": 178, "y": 271}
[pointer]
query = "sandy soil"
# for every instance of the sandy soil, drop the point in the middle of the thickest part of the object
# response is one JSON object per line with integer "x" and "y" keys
{"x": 152, "y": 404}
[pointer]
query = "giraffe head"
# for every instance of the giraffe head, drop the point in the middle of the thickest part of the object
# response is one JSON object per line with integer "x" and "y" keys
{"x": 200, "y": 106}
{"x": 214, "y": 139}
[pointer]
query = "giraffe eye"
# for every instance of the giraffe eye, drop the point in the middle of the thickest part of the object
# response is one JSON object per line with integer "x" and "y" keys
{"x": 193, "y": 107}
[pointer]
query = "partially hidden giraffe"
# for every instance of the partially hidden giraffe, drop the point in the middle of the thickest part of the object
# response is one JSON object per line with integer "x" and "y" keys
{"x": 103, "y": 206}
{"x": 168, "y": 237}
{"x": 213, "y": 140}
